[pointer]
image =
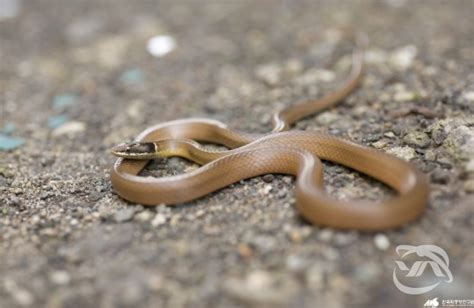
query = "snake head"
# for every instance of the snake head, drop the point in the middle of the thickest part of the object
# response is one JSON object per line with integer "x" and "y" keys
{"x": 135, "y": 150}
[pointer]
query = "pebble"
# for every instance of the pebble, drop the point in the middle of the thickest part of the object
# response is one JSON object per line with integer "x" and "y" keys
{"x": 326, "y": 235}
{"x": 15, "y": 201}
{"x": 293, "y": 66}
{"x": 297, "y": 235}
{"x": 431, "y": 155}
{"x": 295, "y": 263}
{"x": 111, "y": 51}
{"x": 438, "y": 134}
{"x": 3, "y": 181}
{"x": 469, "y": 186}
{"x": 417, "y": 138}
{"x": 375, "y": 56}
{"x": 124, "y": 215}
{"x": 20, "y": 295}
{"x": 8, "y": 143}
{"x": 344, "y": 239}
{"x": 470, "y": 166}
{"x": 327, "y": 118}
{"x": 380, "y": 144}
{"x": 64, "y": 100}
{"x": 469, "y": 96}
{"x": 160, "y": 45}
{"x": 263, "y": 243}
{"x": 95, "y": 196}
{"x": 460, "y": 143}
{"x": 313, "y": 76}
{"x": 244, "y": 250}
{"x": 155, "y": 282}
{"x": 315, "y": 276}
{"x": 269, "y": 74}
{"x": 281, "y": 194}
{"x": 405, "y": 152}
{"x": 60, "y": 277}
{"x": 258, "y": 288}
{"x": 440, "y": 176}
{"x": 404, "y": 96}
{"x": 266, "y": 189}
{"x": 259, "y": 279}
{"x": 381, "y": 241}
{"x": 69, "y": 128}
{"x": 268, "y": 178}
{"x": 158, "y": 220}
{"x": 367, "y": 272}
{"x": 144, "y": 216}
{"x": 57, "y": 121}
{"x": 403, "y": 57}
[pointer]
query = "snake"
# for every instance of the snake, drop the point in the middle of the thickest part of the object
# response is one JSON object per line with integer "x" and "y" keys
{"x": 296, "y": 153}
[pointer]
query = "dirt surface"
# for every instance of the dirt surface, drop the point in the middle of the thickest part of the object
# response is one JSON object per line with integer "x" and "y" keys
{"x": 76, "y": 78}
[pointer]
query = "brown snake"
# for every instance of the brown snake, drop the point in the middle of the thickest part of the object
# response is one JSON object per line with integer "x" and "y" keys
{"x": 296, "y": 153}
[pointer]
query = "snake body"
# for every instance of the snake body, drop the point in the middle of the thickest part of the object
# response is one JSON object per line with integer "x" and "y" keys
{"x": 296, "y": 153}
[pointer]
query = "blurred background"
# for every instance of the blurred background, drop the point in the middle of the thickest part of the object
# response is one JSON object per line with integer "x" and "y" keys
{"x": 77, "y": 77}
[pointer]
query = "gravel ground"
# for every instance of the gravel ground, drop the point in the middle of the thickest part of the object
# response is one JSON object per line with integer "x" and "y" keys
{"x": 76, "y": 78}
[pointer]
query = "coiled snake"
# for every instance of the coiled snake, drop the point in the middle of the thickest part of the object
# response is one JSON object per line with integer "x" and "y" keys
{"x": 296, "y": 153}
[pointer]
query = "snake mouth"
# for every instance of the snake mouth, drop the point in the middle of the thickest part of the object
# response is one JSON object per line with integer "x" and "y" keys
{"x": 134, "y": 150}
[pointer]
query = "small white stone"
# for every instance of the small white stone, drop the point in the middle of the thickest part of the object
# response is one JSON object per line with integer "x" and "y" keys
{"x": 293, "y": 66}
{"x": 375, "y": 56}
{"x": 404, "y": 56}
{"x": 269, "y": 73}
{"x": 324, "y": 75}
{"x": 380, "y": 144}
{"x": 158, "y": 220}
{"x": 326, "y": 234}
{"x": 135, "y": 109}
{"x": 404, "y": 96}
{"x": 470, "y": 166}
{"x": 267, "y": 189}
{"x": 258, "y": 280}
{"x": 109, "y": 52}
{"x": 160, "y": 45}
{"x": 313, "y": 76}
{"x": 405, "y": 153}
{"x": 327, "y": 118}
{"x": 155, "y": 282}
{"x": 35, "y": 219}
{"x": 469, "y": 96}
{"x": 143, "y": 216}
{"x": 381, "y": 241}
{"x": 69, "y": 128}
{"x": 60, "y": 277}
{"x": 21, "y": 296}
